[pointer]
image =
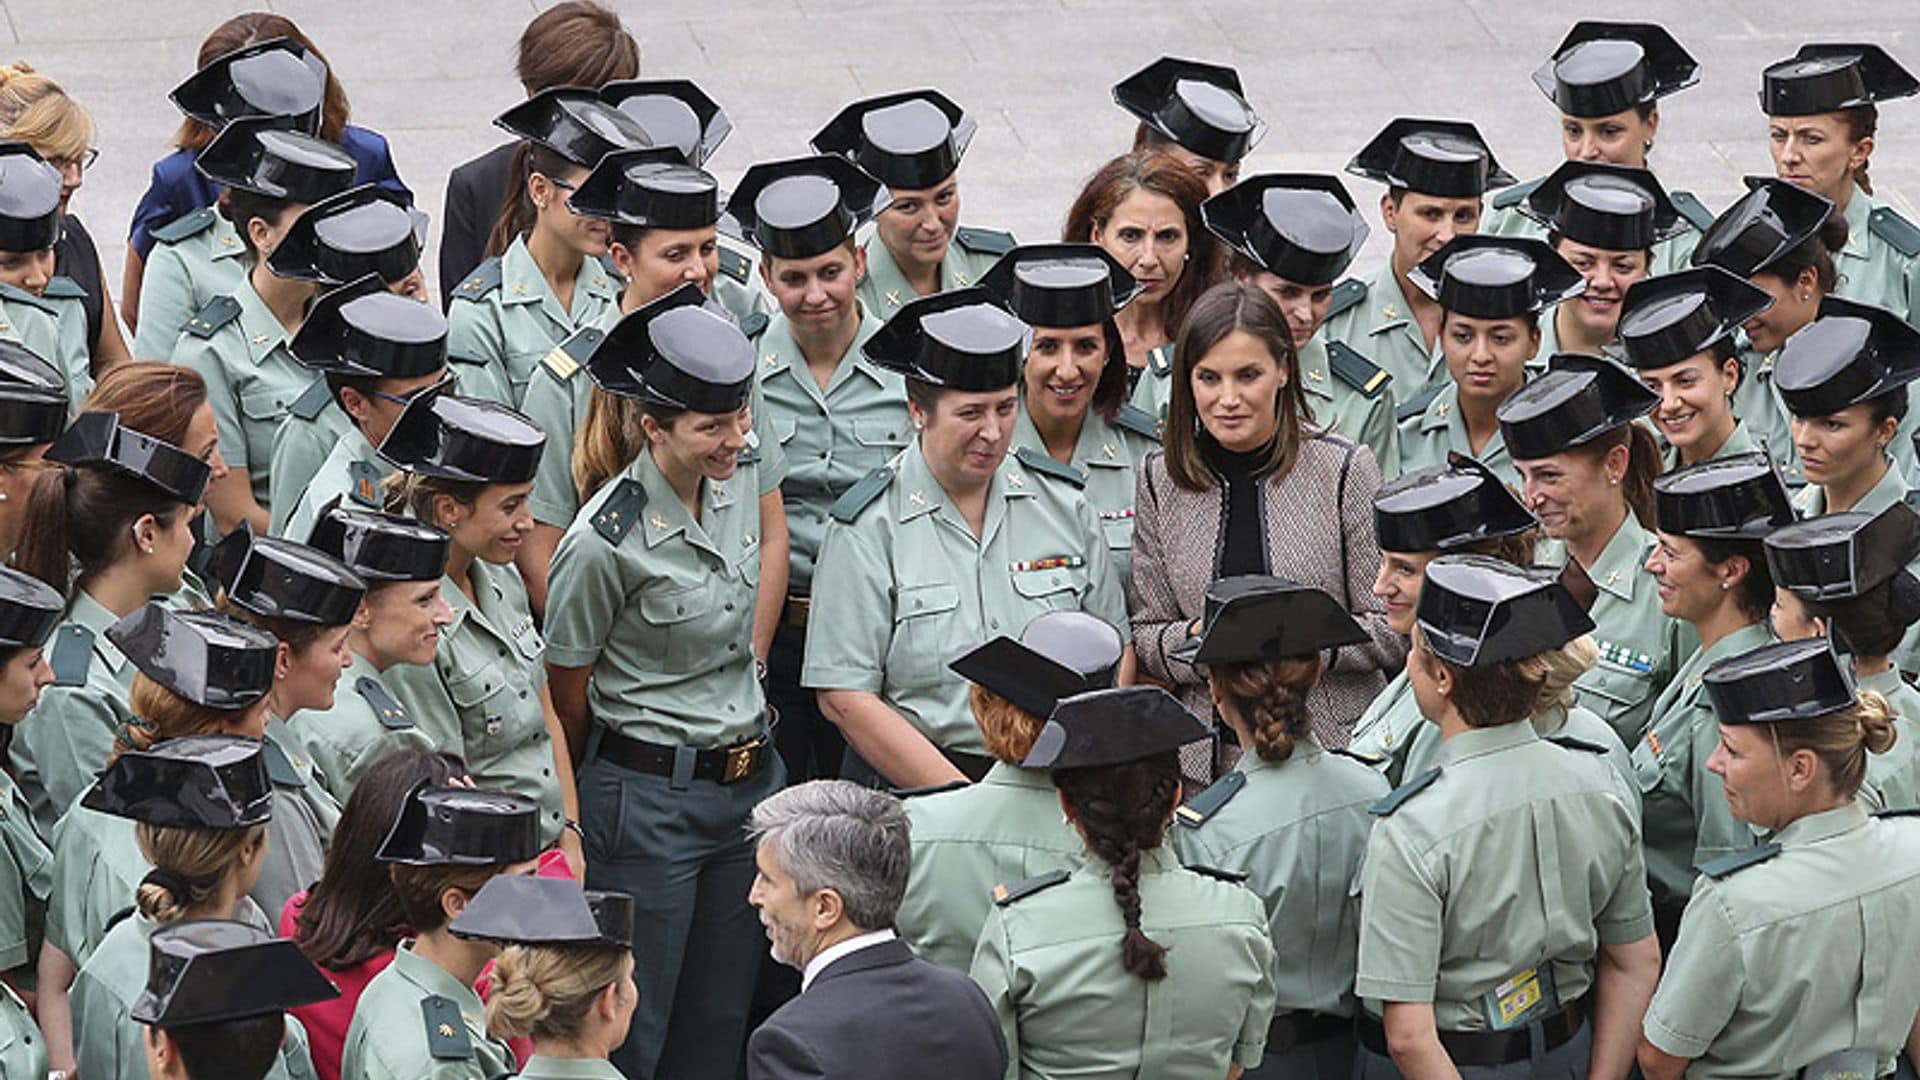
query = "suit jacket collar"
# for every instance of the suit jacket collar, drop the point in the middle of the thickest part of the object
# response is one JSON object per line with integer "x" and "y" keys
{"x": 887, "y": 953}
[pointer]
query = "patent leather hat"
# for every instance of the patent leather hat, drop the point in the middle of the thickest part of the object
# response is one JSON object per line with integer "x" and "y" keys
{"x": 519, "y": 910}
{"x": 574, "y": 123}
{"x": 1058, "y": 655}
{"x": 1830, "y": 78}
{"x": 1851, "y": 353}
{"x": 205, "y": 971}
{"x": 1199, "y": 106}
{"x": 278, "y": 78}
{"x": 1577, "y": 400}
{"x": 1840, "y": 556}
{"x": 910, "y": 141}
{"x": 30, "y": 609}
{"x": 462, "y": 438}
{"x": 1605, "y": 206}
{"x": 381, "y": 547}
{"x": 1496, "y": 277}
{"x": 1603, "y": 68}
{"x": 1773, "y": 218}
{"x": 281, "y": 579}
{"x": 193, "y": 782}
{"x": 1779, "y": 682}
{"x": 210, "y": 659}
{"x": 363, "y": 230}
{"x": 1740, "y": 497}
{"x": 253, "y": 155}
{"x": 648, "y": 189}
{"x": 959, "y": 340}
{"x": 362, "y": 330}
{"x": 1303, "y": 227}
{"x": 1257, "y": 617}
{"x": 1443, "y": 507}
{"x": 802, "y": 207}
{"x": 440, "y": 826}
{"x": 1061, "y": 285}
{"x": 675, "y": 114}
{"x": 31, "y": 415}
{"x": 96, "y": 438}
{"x": 1477, "y": 611}
{"x": 1113, "y": 727}
{"x": 30, "y": 215}
{"x": 1446, "y": 159}
{"x": 1668, "y": 318}
{"x": 676, "y": 352}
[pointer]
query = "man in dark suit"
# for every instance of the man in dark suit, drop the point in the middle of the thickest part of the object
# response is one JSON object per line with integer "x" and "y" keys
{"x": 833, "y": 860}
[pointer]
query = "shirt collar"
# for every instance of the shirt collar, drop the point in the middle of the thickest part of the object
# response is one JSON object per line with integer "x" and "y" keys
{"x": 1824, "y": 825}
{"x": 839, "y": 949}
{"x": 257, "y": 321}
{"x": 87, "y": 612}
{"x": 523, "y": 282}
{"x": 1859, "y": 209}
{"x": 780, "y": 352}
{"x": 1391, "y": 309}
{"x": 1619, "y": 564}
{"x": 920, "y": 493}
{"x": 1477, "y": 742}
{"x": 435, "y": 979}
{"x": 1005, "y": 775}
{"x": 1314, "y": 373}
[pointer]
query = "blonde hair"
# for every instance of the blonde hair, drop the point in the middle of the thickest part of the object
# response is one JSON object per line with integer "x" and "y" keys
{"x": 1565, "y": 665}
{"x": 544, "y": 991}
{"x": 160, "y": 714}
{"x": 202, "y": 857}
{"x": 38, "y": 112}
{"x": 1009, "y": 730}
{"x": 1842, "y": 740}
{"x": 610, "y": 440}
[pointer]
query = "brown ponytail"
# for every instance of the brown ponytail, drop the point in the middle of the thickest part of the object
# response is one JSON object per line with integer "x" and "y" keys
{"x": 610, "y": 439}
{"x": 1270, "y": 696}
{"x": 517, "y": 212}
{"x": 1643, "y": 465}
{"x": 85, "y": 514}
{"x": 1124, "y": 810}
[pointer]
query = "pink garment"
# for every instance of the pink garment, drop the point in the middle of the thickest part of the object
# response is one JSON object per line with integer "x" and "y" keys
{"x": 327, "y": 1021}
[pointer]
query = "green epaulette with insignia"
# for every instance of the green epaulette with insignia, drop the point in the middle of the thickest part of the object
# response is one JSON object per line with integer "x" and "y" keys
{"x": 189, "y": 224}
{"x": 1900, "y": 234}
{"x": 484, "y": 279}
{"x": 364, "y": 478}
{"x": 71, "y": 655}
{"x": 1574, "y": 742}
{"x": 1004, "y": 894}
{"x": 447, "y": 1038}
{"x": 621, "y": 512}
{"x": 217, "y": 313}
{"x": 984, "y": 241}
{"x": 312, "y": 401}
{"x": 1418, "y": 404}
{"x": 755, "y": 324}
{"x": 1160, "y": 361}
{"x": 1355, "y": 370}
{"x": 848, "y": 506}
{"x": 1727, "y": 865}
{"x": 1036, "y": 461}
{"x": 280, "y": 768}
{"x": 1898, "y": 811}
{"x": 22, "y": 296}
{"x": 1137, "y": 420}
{"x": 1195, "y": 811}
{"x": 1508, "y": 198}
{"x": 1231, "y": 877}
{"x": 63, "y": 288}
{"x": 386, "y": 708}
{"x": 735, "y": 265}
{"x": 1371, "y": 761}
{"x": 931, "y": 789}
{"x": 1345, "y": 295}
{"x": 565, "y": 360}
{"x": 1691, "y": 208}
{"x": 1385, "y": 807}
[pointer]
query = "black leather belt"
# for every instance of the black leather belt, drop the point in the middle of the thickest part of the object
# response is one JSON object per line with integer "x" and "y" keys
{"x": 726, "y": 765}
{"x": 796, "y": 611}
{"x": 1302, "y": 1028}
{"x": 1488, "y": 1048}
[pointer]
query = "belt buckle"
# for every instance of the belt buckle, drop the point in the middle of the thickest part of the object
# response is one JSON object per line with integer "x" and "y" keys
{"x": 740, "y": 761}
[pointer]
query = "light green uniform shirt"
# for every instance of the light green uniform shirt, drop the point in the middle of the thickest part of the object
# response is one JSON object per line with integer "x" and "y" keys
{"x": 388, "y": 1039}
{"x": 352, "y": 473}
{"x": 1757, "y": 402}
{"x": 1346, "y": 410}
{"x": 482, "y": 691}
{"x": 885, "y": 290}
{"x": 913, "y": 586}
{"x": 367, "y": 722}
{"x": 181, "y": 276}
{"x": 26, "y": 880}
{"x": 1108, "y": 455}
{"x": 512, "y": 326}
{"x": 1382, "y": 329}
{"x": 1153, "y": 388}
{"x": 252, "y": 382}
{"x": 63, "y": 743}
{"x": 1634, "y": 664}
{"x": 541, "y": 1067}
{"x": 1387, "y": 728}
{"x": 1426, "y": 438}
{"x": 1684, "y": 806}
{"x": 97, "y": 863}
{"x": 304, "y": 817}
{"x": 1806, "y": 954}
{"x": 310, "y": 433}
{"x": 1001, "y": 831}
{"x": 29, "y": 320}
{"x": 1297, "y": 829}
{"x": 1870, "y": 269}
{"x": 1050, "y": 964}
{"x": 663, "y": 609}
{"x": 1893, "y": 778}
{"x": 23, "y": 1050}
{"x": 72, "y": 354}
{"x": 1740, "y": 442}
{"x": 1519, "y": 855}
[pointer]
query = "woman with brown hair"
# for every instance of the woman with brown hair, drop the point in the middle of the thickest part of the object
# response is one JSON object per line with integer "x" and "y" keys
{"x": 1247, "y": 484}
{"x": 33, "y": 412}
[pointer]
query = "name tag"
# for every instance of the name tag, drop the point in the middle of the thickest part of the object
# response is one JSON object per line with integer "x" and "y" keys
{"x": 1843, "y": 1065}
{"x": 1525, "y": 997}
{"x": 526, "y": 635}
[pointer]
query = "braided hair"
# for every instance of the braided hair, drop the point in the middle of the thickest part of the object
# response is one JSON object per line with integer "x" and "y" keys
{"x": 1123, "y": 810}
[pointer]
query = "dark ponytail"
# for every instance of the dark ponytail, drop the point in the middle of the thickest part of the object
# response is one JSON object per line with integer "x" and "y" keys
{"x": 1124, "y": 810}
{"x": 1643, "y": 466}
{"x": 517, "y": 212}
{"x": 85, "y": 514}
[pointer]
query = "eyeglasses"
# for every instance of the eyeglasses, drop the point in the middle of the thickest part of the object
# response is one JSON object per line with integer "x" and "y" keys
{"x": 446, "y": 383}
{"x": 561, "y": 184}
{"x": 82, "y": 161}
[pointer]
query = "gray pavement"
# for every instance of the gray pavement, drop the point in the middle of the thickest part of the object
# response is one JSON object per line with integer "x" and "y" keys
{"x": 1326, "y": 74}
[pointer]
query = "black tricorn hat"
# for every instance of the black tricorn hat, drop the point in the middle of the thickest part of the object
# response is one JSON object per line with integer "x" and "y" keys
{"x": 31, "y": 415}
{"x": 462, "y": 438}
{"x": 910, "y": 141}
{"x": 254, "y": 155}
{"x": 208, "y": 658}
{"x": 649, "y": 188}
{"x": 801, "y": 207}
{"x": 1851, "y": 353}
{"x": 279, "y": 79}
{"x": 1199, "y": 106}
{"x": 1299, "y": 226}
{"x": 1446, "y": 159}
{"x": 440, "y": 826}
{"x": 1829, "y": 78}
{"x": 1477, "y": 611}
{"x": 1740, "y": 497}
{"x": 1443, "y": 507}
{"x": 1496, "y": 277}
{"x": 1779, "y": 681}
{"x": 381, "y": 547}
{"x": 96, "y": 438}
{"x": 674, "y": 113}
{"x": 280, "y": 579}
{"x": 514, "y": 909}
{"x": 1606, "y": 206}
{"x": 1669, "y": 318}
{"x": 362, "y": 330}
{"x": 363, "y": 230}
{"x": 21, "y": 365}
{"x": 1113, "y": 727}
{"x": 675, "y": 351}
{"x": 959, "y": 340}
{"x": 204, "y": 971}
{"x": 29, "y": 610}
{"x": 1773, "y": 218}
{"x": 575, "y": 123}
{"x": 30, "y": 215}
{"x": 1061, "y": 285}
{"x": 1842, "y": 556}
{"x": 1256, "y": 617}
{"x": 1577, "y": 400}
{"x": 193, "y": 782}
{"x": 1059, "y": 654}
{"x": 1602, "y": 68}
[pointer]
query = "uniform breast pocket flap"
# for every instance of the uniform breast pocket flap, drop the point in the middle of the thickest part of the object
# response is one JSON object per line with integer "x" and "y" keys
{"x": 783, "y": 428}
{"x": 1623, "y": 687}
{"x": 887, "y": 434}
{"x": 675, "y": 603}
{"x": 923, "y": 632}
{"x": 1119, "y": 532}
{"x": 483, "y": 700}
{"x": 919, "y": 601}
{"x": 1054, "y": 586}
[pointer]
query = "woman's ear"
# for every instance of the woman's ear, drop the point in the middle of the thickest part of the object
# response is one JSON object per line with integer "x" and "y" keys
{"x": 143, "y": 530}
{"x": 539, "y": 190}
{"x": 447, "y": 511}
{"x": 1730, "y": 371}
{"x": 651, "y": 430}
{"x": 261, "y": 234}
{"x": 282, "y": 661}
{"x": 1802, "y": 770}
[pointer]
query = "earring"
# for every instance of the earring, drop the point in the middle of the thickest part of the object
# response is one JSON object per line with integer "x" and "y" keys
{"x": 3, "y": 496}
{"x": 149, "y": 549}
{"x": 1613, "y": 481}
{"x": 1805, "y": 296}
{"x": 1725, "y": 585}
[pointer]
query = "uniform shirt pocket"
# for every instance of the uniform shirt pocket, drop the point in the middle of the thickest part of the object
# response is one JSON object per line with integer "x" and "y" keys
{"x": 1055, "y": 588}
{"x": 923, "y": 626}
{"x": 488, "y": 706}
{"x": 675, "y": 610}
{"x": 1621, "y": 689}
{"x": 262, "y": 410}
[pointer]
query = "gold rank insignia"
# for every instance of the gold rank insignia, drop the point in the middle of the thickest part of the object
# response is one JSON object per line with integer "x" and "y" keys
{"x": 657, "y": 522}
{"x": 1389, "y": 312}
{"x": 893, "y": 298}
{"x": 1106, "y": 450}
{"x": 960, "y": 280}
{"x": 719, "y": 491}
{"x": 519, "y": 289}
{"x": 1015, "y": 480}
{"x": 1315, "y": 376}
{"x": 228, "y": 241}
{"x": 446, "y": 1030}
{"x": 917, "y": 499}
{"x": 258, "y": 339}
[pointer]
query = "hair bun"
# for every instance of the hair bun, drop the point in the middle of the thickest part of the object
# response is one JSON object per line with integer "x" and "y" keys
{"x": 1877, "y": 729}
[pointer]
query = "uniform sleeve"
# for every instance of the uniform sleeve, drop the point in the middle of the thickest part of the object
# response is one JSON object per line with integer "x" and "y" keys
{"x": 1716, "y": 831}
{"x": 1400, "y": 922}
{"x": 1379, "y": 434}
{"x": 850, "y": 628}
{"x": 1703, "y": 981}
{"x": 1627, "y": 914}
{"x": 64, "y": 742}
{"x": 203, "y": 356}
{"x": 1106, "y": 596}
{"x": 166, "y": 303}
{"x": 1158, "y": 623}
{"x": 993, "y": 971}
{"x": 473, "y": 332}
{"x": 285, "y": 484}
{"x": 101, "y": 1045}
{"x": 296, "y": 1056}
{"x": 773, "y": 456}
{"x": 549, "y": 404}
{"x": 1251, "y": 1045}
{"x": 1387, "y": 652}
{"x": 585, "y": 594}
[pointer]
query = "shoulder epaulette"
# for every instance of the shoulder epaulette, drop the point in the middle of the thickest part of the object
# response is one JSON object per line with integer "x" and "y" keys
{"x": 1355, "y": 370}
{"x": 1004, "y": 894}
{"x": 484, "y": 279}
{"x": 312, "y": 401}
{"x": 463, "y": 358}
{"x": 564, "y": 360}
{"x": 386, "y": 708}
{"x": 755, "y": 324}
{"x": 621, "y": 512}
{"x": 217, "y": 313}
{"x": 188, "y": 224}
{"x": 116, "y": 919}
{"x": 1510, "y": 197}
{"x": 22, "y": 296}
{"x": 1137, "y": 420}
{"x": 71, "y": 655}
{"x": 364, "y": 478}
{"x": 1574, "y": 742}
{"x": 1385, "y": 807}
{"x": 1371, "y": 761}
{"x": 447, "y": 1038}
{"x": 984, "y": 241}
{"x": 1041, "y": 463}
{"x": 63, "y": 288}
{"x": 848, "y": 506}
{"x": 1160, "y": 360}
{"x": 1195, "y": 811}
{"x": 1231, "y": 877}
{"x": 735, "y": 265}
{"x": 1345, "y": 295}
{"x": 1418, "y": 403}
{"x": 1898, "y": 811}
{"x": 1692, "y": 209}
{"x": 1902, "y": 235}
{"x": 1738, "y": 861}
{"x": 280, "y": 768}
{"x": 931, "y": 789}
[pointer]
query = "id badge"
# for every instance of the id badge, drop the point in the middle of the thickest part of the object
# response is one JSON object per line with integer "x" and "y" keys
{"x": 1524, "y": 997}
{"x": 1843, "y": 1065}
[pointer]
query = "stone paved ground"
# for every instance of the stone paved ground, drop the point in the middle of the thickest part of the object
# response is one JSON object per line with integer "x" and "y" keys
{"x": 1325, "y": 73}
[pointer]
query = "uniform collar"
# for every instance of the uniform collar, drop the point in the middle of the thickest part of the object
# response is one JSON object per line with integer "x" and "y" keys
{"x": 487, "y": 590}
{"x": 543, "y": 1067}
{"x": 1314, "y": 374}
{"x": 779, "y": 353}
{"x": 1390, "y": 306}
{"x": 263, "y": 331}
{"x": 1886, "y": 683}
{"x": 1740, "y": 442}
{"x": 665, "y": 516}
{"x": 1098, "y": 446}
{"x": 435, "y": 979}
{"x": 522, "y": 282}
{"x": 1859, "y": 211}
{"x": 1619, "y": 564}
{"x": 890, "y": 289}
{"x": 1551, "y": 720}
{"x": 1751, "y": 636}
{"x": 1478, "y": 742}
{"x": 1002, "y": 774}
{"x": 1886, "y": 491}
{"x": 224, "y": 240}
{"x": 1824, "y": 825}
{"x": 87, "y": 612}
{"x": 1304, "y": 750}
